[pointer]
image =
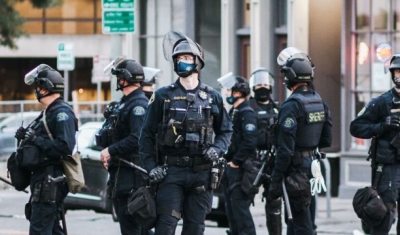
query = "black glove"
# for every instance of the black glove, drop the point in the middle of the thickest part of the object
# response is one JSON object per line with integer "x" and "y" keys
{"x": 211, "y": 155}
{"x": 20, "y": 133}
{"x": 157, "y": 174}
{"x": 30, "y": 135}
{"x": 392, "y": 121}
{"x": 275, "y": 188}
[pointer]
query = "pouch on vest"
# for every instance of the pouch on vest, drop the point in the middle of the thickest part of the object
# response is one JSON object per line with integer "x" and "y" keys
{"x": 30, "y": 156}
{"x": 20, "y": 176}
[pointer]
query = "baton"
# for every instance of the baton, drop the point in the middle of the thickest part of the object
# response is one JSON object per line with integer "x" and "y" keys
{"x": 9, "y": 183}
{"x": 133, "y": 165}
{"x": 287, "y": 204}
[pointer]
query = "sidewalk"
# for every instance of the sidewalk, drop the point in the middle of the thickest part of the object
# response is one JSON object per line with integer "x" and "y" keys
{"x": 342, "y": 221}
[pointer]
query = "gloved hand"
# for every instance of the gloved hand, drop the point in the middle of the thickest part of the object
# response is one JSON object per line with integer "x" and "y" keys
{"x": 211, "y": 155}
{"x": 20, "y": 133}
{"x": 275, "y": 188}
{"x": 30, "y": 135}
{"x": 157, "y": 174}
{"x": 392, "y": 121}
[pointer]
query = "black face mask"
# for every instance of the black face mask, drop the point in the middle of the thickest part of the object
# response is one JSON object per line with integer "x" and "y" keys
{"x": 262, "y": 94}
{"x": 148, "y": 94}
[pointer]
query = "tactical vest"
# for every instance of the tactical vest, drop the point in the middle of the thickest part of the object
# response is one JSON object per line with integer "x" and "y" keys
{"x": 265, "y": 119}
{"x": 309, "y": 126}
{"x": 188, "y": 119}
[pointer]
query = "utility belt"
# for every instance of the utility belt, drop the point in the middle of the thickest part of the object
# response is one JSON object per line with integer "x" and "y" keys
{"x": 298, "y": 155}
{"x": 197, "y": 162}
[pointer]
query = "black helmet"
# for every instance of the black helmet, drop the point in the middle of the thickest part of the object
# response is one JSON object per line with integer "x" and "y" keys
{"x": 129, "y": 70}
{"x": 298, "y": 70}
{"x": 183, "y": 47}
{"x": 45, "y": 77}
{"x": 394, "y": 64}
{"x": 241, "y": 85}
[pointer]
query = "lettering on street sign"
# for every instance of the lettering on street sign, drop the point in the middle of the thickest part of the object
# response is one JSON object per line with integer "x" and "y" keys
{"x": 65, "y": 57}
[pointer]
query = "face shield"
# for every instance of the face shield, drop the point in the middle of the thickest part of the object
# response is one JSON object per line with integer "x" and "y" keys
{"x": 150, "y": 73}
{"x": 31, "y": 76}
{"x": 110, "y": 68}
{"x": 172, "y": 39}
{"x": 290, "y": 53}
{"x": 227, "y": 81}
{"x": 261, "y": 77}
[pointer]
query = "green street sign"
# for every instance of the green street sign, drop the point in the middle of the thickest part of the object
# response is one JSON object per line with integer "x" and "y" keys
{"x": 118, "y": 4}
{"x": 65, "y": 56}
{"x": 118, "y": 21}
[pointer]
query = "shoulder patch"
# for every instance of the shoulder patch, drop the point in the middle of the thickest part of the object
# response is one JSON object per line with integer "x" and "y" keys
{"x": 289, "y": 122}
{"x": 152, "y": 98}
{"x": 250, "y": 127}
{"x": 62, "y": 117}
{"x": 138, "y": 111}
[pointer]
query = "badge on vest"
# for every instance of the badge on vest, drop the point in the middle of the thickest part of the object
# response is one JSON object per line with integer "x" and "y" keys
{"x": 250, "y": 127}
{"x": 316, "y": 117}
{"x": 203, "y": 95}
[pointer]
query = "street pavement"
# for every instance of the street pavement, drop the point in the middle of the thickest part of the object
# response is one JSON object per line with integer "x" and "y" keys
{"x": 341, "y": 221}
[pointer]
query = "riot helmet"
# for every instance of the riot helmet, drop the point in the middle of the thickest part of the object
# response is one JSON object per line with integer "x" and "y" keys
{"x": 176, "y": 44}
{"x": 296, "y": 66}
{"x": 395, "y": 64}
{"x": 47, "y": 78}
{"x": 150, "y": 75}
{"x": 236, "y": 84}
{"x": 261, "y": 77}
{"x": 125, "y": 69}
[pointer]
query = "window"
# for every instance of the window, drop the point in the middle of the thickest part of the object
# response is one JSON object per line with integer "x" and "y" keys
{"x": 71, "y": 17}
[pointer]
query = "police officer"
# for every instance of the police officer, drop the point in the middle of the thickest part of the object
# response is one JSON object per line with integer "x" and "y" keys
{"x": 304, "y": 124}
{"x": 380, "y": 119}
{"x": 242, "y": 148}
{"x": 44, "y": 161}
{"x": 262, "y": 82}
{"x": 150, "y": 75}
{"x": 128, "y": 117}
{"x": 181, "y": 121}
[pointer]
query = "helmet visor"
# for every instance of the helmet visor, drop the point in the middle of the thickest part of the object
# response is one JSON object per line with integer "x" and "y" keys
{"x": 289, "y": 54}
{"x": 31, "y": 76}
{"x": 261, "y": 77}
{"x": 149, "y": 73}
{"x": 108, "y": 70}
{"x": 227, "y": 81}
{"x": 172, "y": 39}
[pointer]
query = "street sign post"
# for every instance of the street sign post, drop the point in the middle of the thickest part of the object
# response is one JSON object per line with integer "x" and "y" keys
{"x": 66, "y": 62}
{"x": 118, "y": 16}
{"x": 65, "y": 57}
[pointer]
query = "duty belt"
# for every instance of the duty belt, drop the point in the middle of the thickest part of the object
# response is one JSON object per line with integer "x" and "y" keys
{"x": 308, "y": 153}
{"x": 198, "y": 163}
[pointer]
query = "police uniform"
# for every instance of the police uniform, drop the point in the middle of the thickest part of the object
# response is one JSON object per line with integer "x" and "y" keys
{"x": 181, "y": 124}
{"x": 130, "y": 115}
{"x": 366, "y": 125}
{"x": 62, "y": 124}
{"x": 243, "y": 146}
{"x": 304, "y": 123}
{"x": 266, "y": 116}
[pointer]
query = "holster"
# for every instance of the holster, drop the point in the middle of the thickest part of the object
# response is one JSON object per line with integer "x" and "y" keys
{"x": 45, "y": 191}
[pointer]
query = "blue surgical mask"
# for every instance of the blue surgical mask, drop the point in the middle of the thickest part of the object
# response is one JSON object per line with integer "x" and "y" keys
{"x": 231, "y": 99}
{"x": 185, "y": 69}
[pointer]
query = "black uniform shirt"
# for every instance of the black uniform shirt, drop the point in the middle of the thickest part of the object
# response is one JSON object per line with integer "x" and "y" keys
{"x": 221, "y": 124}
{"x": 289, "y": 114}
{"x": 244, "y": 137}
{"x": 129, "y": 123}
{"x": 368, "y": 121}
